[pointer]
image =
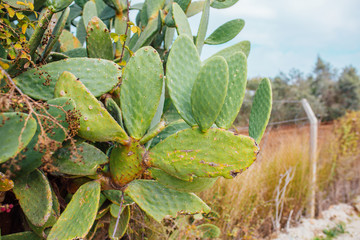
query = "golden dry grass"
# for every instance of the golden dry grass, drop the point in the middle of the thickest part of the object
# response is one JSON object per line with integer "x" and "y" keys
{"x": 247, "y": 204}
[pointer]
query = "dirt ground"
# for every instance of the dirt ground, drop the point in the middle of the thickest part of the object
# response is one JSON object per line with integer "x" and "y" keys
{"x": 309, "y": 229}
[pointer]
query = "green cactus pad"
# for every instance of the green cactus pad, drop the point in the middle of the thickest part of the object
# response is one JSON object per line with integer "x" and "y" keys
{"x": 184, "y": 4}
{"x": 98, "y": 75}
{"x": 87, "y": 163}
{"x": 182, "y": 68}
{"x": 34, "y": 194}
{"x": 159, "y": 202}
{"x": 204, "y": 22}
{"x": 55, "y": 213}
{"x": 31, "y": 158}
{"x": 181, "y": 21}
{"x": 209, "y": 231}
{"x": 123, "y": 224}
{"x": 243, "y": 46}
{"x": 236, "y": 90}
{"x": 98, "y": 40}
{"x": 13, "y": 139}
{"x": 79, "y": 215}
{"x": 89, "y": 11}
{"x": 114, "y": 196}
{"x": 169, "y": 130}
{"x": 114, "y": 210}
{"x": 223, "y": 3}
{"x": 81, "y": 31}
{"x": 21, "y": 236}
{"x": 68, "y": 41}
{"x": 190, "y": 153}
{"x": 141, "y": 90}
{"x": 76, "y": 53}
{"x": 195, "y": 8}
{"x": 58, "y": 5}
{"x": 260, "y": 110}
{"x": 153, "y": 132}
{"x": 169, "y": 37}
{"x": 5, "y": 183}
{"x": 126, "y": 163}
{"x": 96, "y": 124}
{"x": 197, "y": 184}
{"x": 209, "y": 91}
{"x": 225, "y": 32}
{"x": 148, "y": 34}
{"x": 114, "y": 110}
{"x": 153, "y": 7}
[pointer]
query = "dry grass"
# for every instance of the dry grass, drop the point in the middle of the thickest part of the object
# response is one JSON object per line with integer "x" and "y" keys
{"x": 247, "y": 204}
{"x": 277, "y": 184}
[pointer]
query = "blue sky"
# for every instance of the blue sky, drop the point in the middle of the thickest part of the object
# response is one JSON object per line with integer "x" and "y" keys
{"x": 287, "y": 34}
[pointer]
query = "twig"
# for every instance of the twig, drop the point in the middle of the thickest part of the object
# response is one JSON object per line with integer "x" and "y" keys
{"x": 126, "y": 29}
{"x": 119, "y": 213}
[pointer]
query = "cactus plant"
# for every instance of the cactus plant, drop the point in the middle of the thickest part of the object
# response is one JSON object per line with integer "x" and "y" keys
{"x": 104, "y": 139}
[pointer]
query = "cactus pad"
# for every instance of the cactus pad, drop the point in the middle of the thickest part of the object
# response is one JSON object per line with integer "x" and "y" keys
{"x": 86, "y": 162}
{"x": 34, "y": 194}
{"x": 148, "y": 34}
{"x": 194, "y": 8}
{"x": 260, "y": 110}
{"x": 114, "y": 110}
{"x": 126, "y": 163}
{"x": 182, "y": 68}
{"x": 209, "y": 91}
{"x": 209, "y": 231}
{"x": 223, "y": 3}
{"x": 197, "y": 184}
{"x": 153, "y": 7}
{"x": 58, "y": 5}
{"x": 98, "y": 75}
{"x": 153, "y": 132}
{"x": 13, "y": 138}
{"x": 181, "y": 21}
{"x": 204, "y": 22}
{"x": 236, "y": 90}
{"x": 21, "y": 236}
{"x": 114, "y": 196}
{"x": 98, "y": 40}
{"x": 96, "y": 124}
{"x": 243, "y": 46}
{"x": 158, "y": 201}
{"x": 79, "y": 215}
{"x": 225, "y": 32}
{"x": 169, "y": 130}
{"x": 215, "y": 153}
{"x": 141, "y": 90}
{"x": 89, "y": 11}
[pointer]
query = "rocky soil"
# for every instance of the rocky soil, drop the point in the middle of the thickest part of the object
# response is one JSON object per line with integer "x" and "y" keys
{"x": 345, "y": 214}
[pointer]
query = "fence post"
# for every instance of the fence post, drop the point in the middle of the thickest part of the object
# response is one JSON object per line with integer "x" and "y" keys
{"x": 313, "y": 149}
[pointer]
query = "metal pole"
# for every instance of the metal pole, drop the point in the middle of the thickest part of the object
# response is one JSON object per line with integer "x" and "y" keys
{"x": 313, "y": 149}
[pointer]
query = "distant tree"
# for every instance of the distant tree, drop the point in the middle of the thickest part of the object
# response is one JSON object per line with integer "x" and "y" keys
{"x": 349, "y": 89}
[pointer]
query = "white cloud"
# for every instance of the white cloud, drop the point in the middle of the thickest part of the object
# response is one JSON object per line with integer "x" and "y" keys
{"x": 289, "y": 34}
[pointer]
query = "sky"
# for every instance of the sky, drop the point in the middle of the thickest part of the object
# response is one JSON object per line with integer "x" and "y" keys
{"x": 287, "y": 34}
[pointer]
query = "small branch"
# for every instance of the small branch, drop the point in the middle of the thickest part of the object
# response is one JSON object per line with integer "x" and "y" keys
{"x": 119, "y": 214}
{"x": 126, "y": 30}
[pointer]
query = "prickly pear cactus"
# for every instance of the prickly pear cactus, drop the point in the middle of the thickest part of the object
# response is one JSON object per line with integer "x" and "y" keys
{"x": 102, "y": 113}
